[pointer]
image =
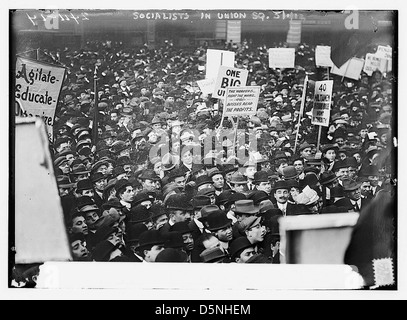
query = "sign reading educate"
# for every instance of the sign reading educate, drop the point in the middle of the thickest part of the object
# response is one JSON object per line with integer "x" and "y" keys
{"x": 322, "y": 103}
{"x": 241, "y": 101}
{"x": 282, "y": 57}
{"x": 37, "y": 90}
{"x": 229, "y": 77}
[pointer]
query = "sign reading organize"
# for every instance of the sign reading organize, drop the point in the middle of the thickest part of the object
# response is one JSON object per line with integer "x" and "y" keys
{"x": 229, "y": 77}
{"x": 241, "y": 101}
{"x": 37, "y": 90}
{"x": 322, "y": 103}
{"x": 282, "y": 57}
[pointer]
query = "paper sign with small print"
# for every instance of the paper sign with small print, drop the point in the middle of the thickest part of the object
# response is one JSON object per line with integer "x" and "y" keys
{"x": 241, "y": 101}
{"x": 229, "y": 77}
{"x": 384, "y": 52}
{"x": 206, "y": 85}
{"x": 217, "y": 58}
{"x": 282, "y": 58}
{"x": 37, "y": 90}
{"x": 322, "y": 103}
{"x": 373, "y": 63}
{"x": 323, "y": 56}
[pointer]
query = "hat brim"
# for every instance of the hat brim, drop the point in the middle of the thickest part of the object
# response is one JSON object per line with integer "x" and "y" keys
{"x": 252, "y": 212}
{"x": 221, "y": 227}
{"x": 329, "y": 181}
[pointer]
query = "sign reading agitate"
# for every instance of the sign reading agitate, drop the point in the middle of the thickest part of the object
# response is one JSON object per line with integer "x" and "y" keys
{"x": 37, "y": 90}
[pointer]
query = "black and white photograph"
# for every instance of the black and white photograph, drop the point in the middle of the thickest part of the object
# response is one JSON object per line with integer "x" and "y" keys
{"x": 163, "y": 149}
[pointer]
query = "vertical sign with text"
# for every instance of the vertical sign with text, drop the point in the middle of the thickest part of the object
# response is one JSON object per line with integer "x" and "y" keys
{"x": 322, "y": 103}
{"x": 229, "y": 77}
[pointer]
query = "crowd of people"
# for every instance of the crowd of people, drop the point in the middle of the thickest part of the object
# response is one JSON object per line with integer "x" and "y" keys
{"x": 158, "y": 175}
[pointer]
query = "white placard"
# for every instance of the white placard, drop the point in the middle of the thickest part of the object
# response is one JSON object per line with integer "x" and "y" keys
{"x": 206, "y": 85}
{"x": 282, "y": 57}
{"x": 323, "y": 56}
{"x": 350, "y": 69}
{"x": 322, "y": 103}
{"x": 241, "y": 101}
{"x": 217, "y": 58}
{"x": 373, "y": 63}
{"x": 384, "y": 52}
{"x": 229, "y": 77}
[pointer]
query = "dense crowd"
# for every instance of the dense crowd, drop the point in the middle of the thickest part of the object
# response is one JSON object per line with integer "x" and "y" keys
{"x": 166, "y": 179}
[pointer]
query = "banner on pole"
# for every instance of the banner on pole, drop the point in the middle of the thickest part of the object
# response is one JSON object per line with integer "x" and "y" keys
{"x": 322, "y": 103}
{"x": 217, "y": 58}
{"x": 229, "y": 77}
{"x": 282, "y": 57}
{"x": 323, "y": 56}
{"x": 37, "y": 90}
{"x": 241, "y": 101}
{"x": 351, "y": 69}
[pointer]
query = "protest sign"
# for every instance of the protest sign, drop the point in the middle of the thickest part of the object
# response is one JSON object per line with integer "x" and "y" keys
{"x": 373, "y": 63}
{"x": 384, "y": 52}
{"x": 350, "y": 69}
{"x": 217, "y": 58}
{"x": 322, "y": 103}
{"x": 281, "y": 57}
{"x": 229, "y": 77}
{"x": 206, "y": 85}
{"x": 241, "y": 101}
{"x": 323, "y": 56}
{"x": 37, "y": 90}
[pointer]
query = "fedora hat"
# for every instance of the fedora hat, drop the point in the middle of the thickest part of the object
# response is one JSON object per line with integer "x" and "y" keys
{"x": 217, "y": 220}
{"x": 119, "y": 146}
{"x": 350, "y": 185}
{"x": 150, "y": 238}
{"x": 245, "y": 207}
{"x": 64, "y": 182}
{"x": 202, "y": 180}
{"x": 149, "y": 175}
{"x": 261, "y": 176}
{"x": 238, "y": 245}
{"x": 84, "y": 184}
{"x": 289, "y": 173}
{"x": 327, "y": 177}
{"x": 212, "y": 255}
{"x": 238, "y": 178}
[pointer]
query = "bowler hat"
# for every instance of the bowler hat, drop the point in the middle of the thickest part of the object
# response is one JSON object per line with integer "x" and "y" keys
{"x": 97, "y": 176}
{"x": 350, "y": 185}
{"x": 157, "y": 210}
{"x": 340, "y": 164}
{"x": 84, "y": 184}
{"x": 176, "y": 173}
{"x": 207, "y": 210}
{"x": 258, "y": 196}
{"x": 150, "y": 238}
{"x": 327, "y": 147}
{"x": 261, "y": 176}
{"x": 182, "y": 227}
{"x": 173, "y": 239}
{"x": 217, "y": 220}
{"x": 281, "y": 184}
{"x": 139, "y": 214}
{"x": 224, "y": 197}
{"x": 212, "y": 255}
{"x": 171, "y": 255}
{"x": 245, "y": 207}
{"x": 289, "y": 173}
{"x": 141, "y": 197}
{"x": 238, "y": 245}
{"x": 103, "y": 250}
{"x": 149, "y": 175}
{"x": 280, "y": 155}
{"x": 178, "y": 201}
{"x": 120, "y": 185}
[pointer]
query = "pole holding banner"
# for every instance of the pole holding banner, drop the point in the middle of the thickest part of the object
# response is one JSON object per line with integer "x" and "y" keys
{"x": 304, "y": 95}
{"x": 96, "y": 110}
{"x": 319, "y": 137}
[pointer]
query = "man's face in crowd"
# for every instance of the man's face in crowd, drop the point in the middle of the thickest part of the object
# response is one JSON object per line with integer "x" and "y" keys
{"x": 352, "y": 173}
{"x": 246, "y": 255}
{"x": 363, "y": 133}
{"x": 64, "y": 191}
{"x": 91, "y": 218}
{"x": 114, "y": 117}
{"x": 70, "y": 157}
{"x": 281, "y": 167}
{"x": 63, "y": 146}
{"x": 218, "y": 181}
{"x": 152, "y": 137}
{"x": 157, "y": 126}
{"x": 160, "y": 221}
{"x": 149, "y": 185}
{"x": 256, "y": 233}
{"x": 180, "y": 182}
{"x": 306, "y": 152}
{"x": 102, "y": 169}
{"x": 281, "y": 195}
{"x": 181, "y": 216}
{"x": 225, "y": 234}
{"x": 88, "y": 193}
{"x": 250, "y": 171}
{"x": 340, "y": 142}
{"x": 299, "y": 166}
{"x": 238, "y": 188}
{"x": 151, "y": 255}
{"x": 365, "y": 189}
{"x": 79, "y": 250}
{"x": 330, "y": 155}
{"x": 127, "y": 168}
{"x": 187, "y": 158}
{"x": 374, "y": 181}
{"x": 188, "y": 241}
{"x": 128, "y": 194}
{"x": 264, "y": 186}
{"x": 65, "y": 167}
{"x": 79, "y": 225}
{"x": 228, "y": 176}
{"x": 342, "y": 173}
{"x": 357, "y": 157}
{"x": 354, "y": 194}
{"x": 100, "y": 185}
